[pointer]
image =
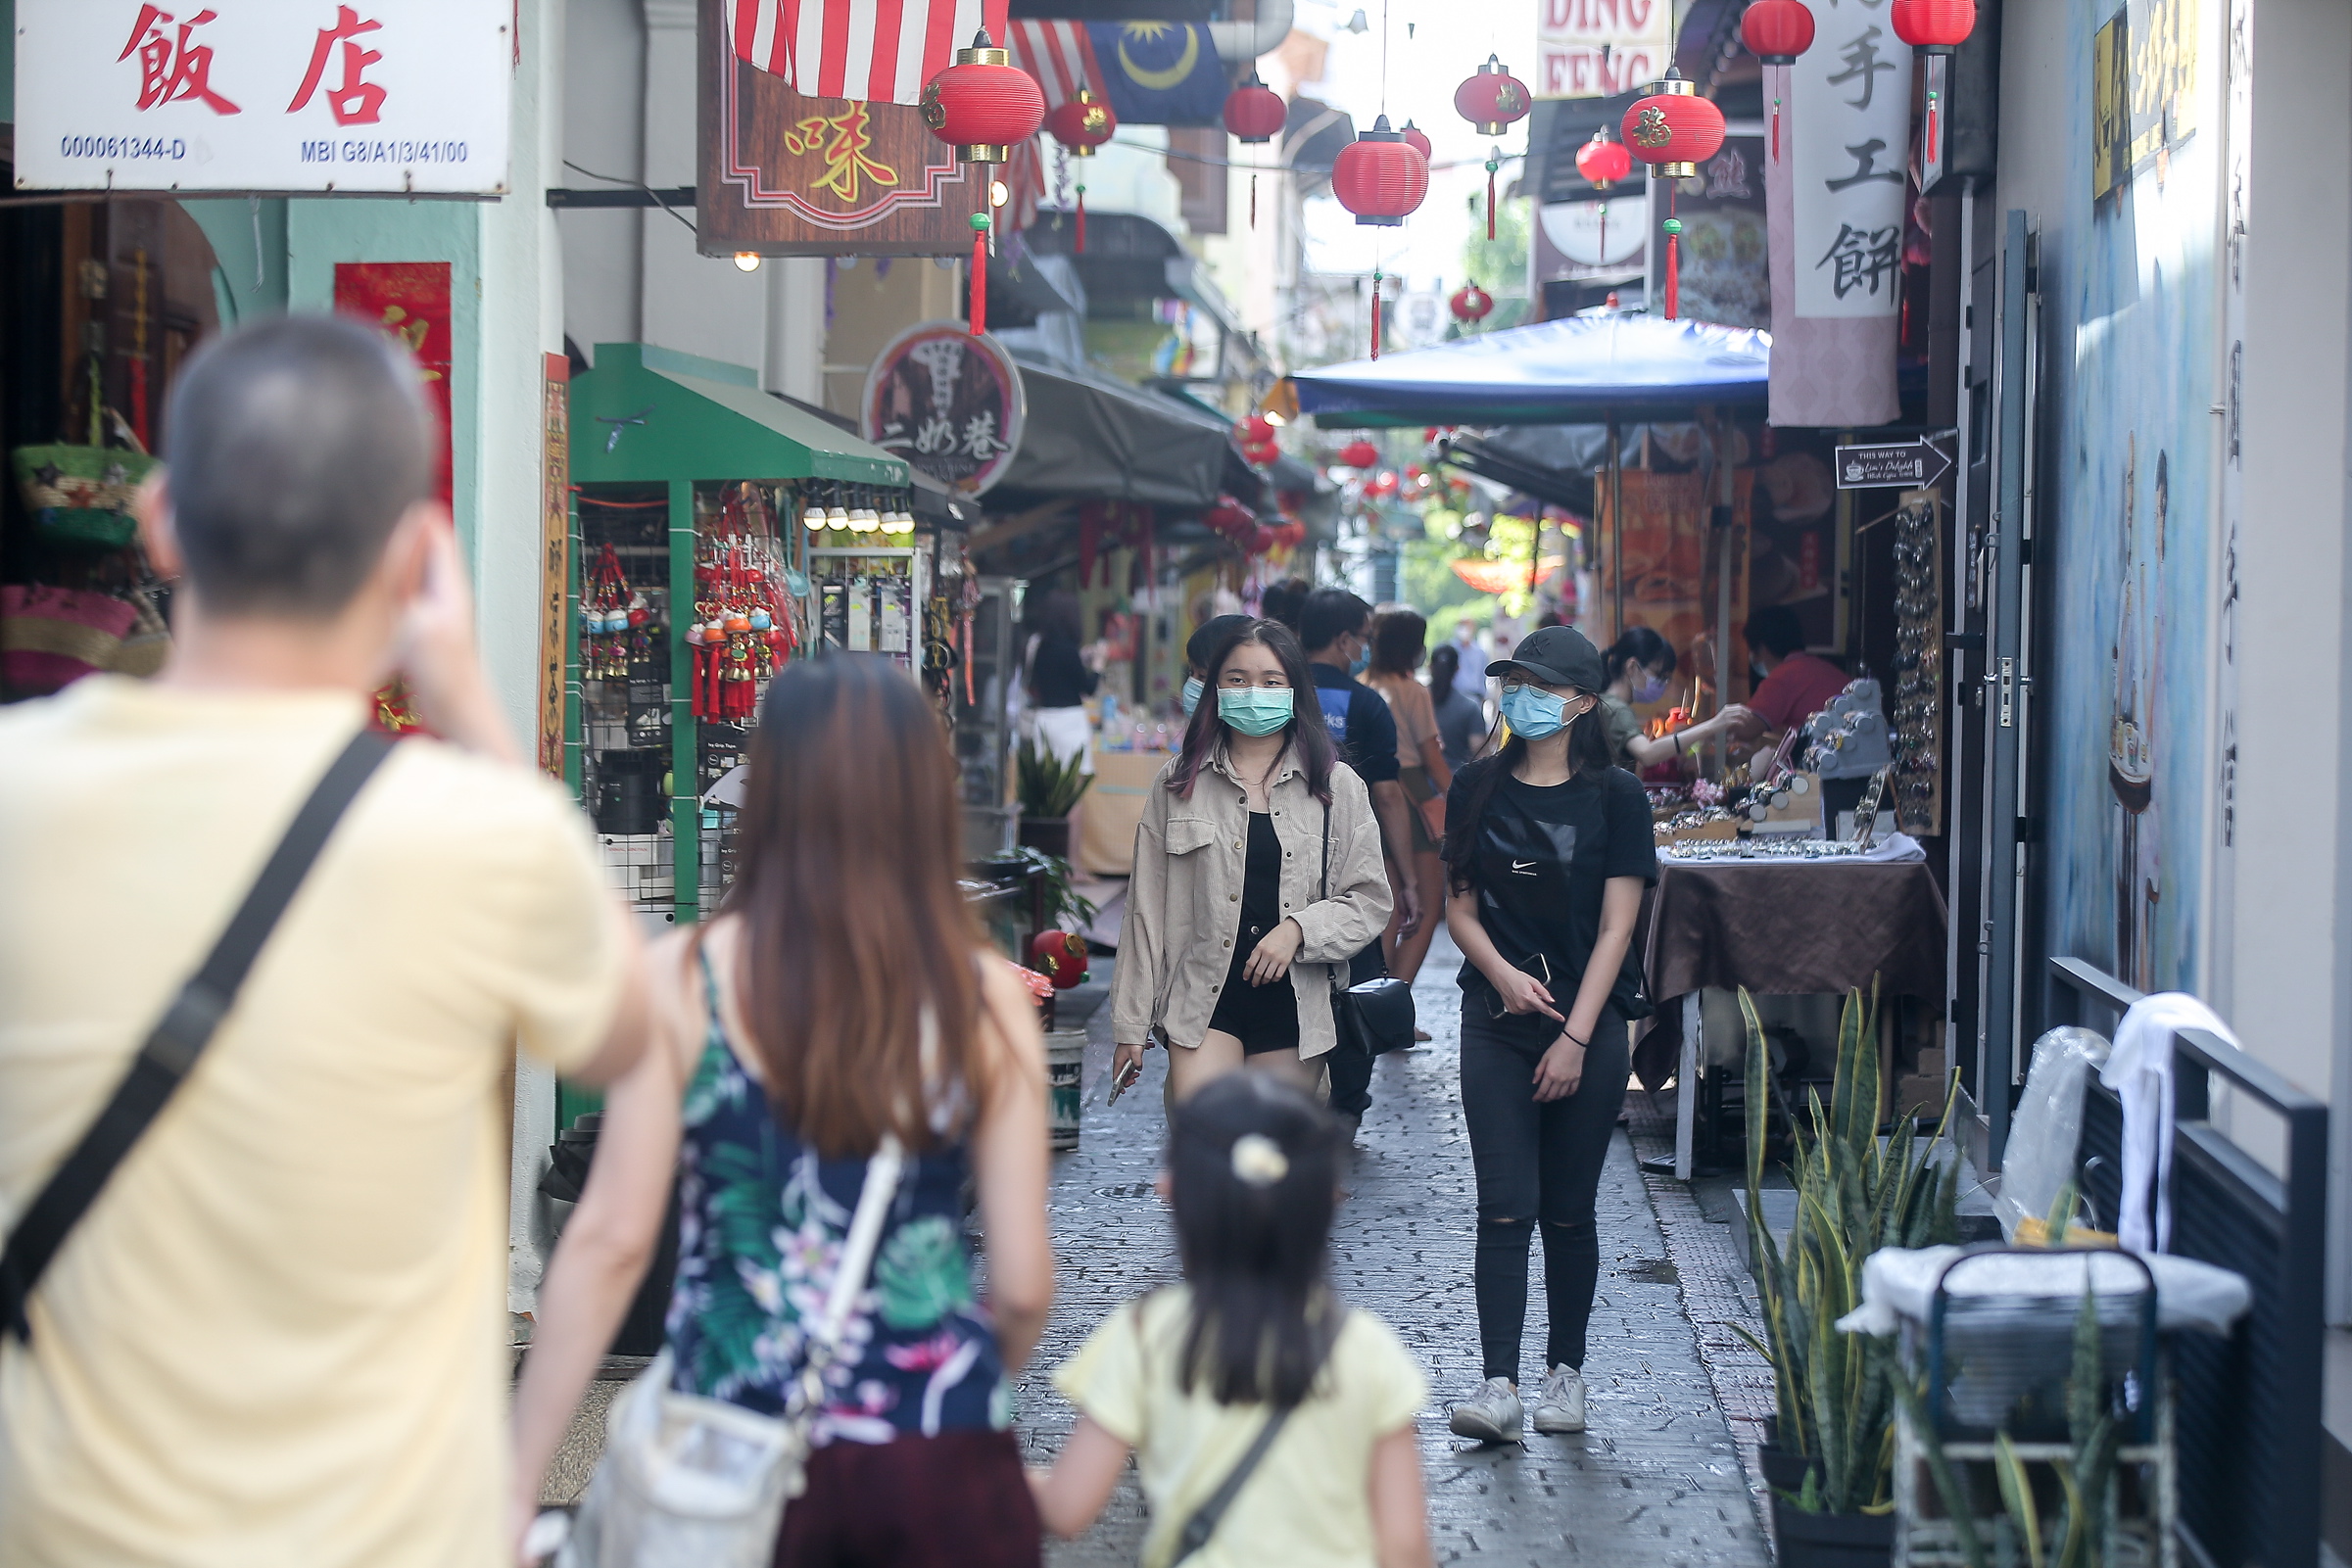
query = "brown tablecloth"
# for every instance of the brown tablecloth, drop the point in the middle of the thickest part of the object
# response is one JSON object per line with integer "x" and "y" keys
{"x": 1797, "y": 928}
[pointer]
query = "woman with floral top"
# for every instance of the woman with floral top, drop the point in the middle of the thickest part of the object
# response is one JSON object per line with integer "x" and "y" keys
{"x": 842, "y": 994}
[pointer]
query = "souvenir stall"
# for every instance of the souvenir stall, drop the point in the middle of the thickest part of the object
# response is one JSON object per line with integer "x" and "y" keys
{"x": 719, "y": 531}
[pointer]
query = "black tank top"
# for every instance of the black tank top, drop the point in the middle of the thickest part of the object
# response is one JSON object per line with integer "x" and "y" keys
{"x": 1260, "y": 884}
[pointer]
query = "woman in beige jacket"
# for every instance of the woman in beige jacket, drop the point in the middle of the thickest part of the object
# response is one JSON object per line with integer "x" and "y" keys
{"x": 1258, "y": 874}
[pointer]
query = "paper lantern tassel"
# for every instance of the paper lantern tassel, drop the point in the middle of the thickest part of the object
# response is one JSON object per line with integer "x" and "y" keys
{"x": 1375, "y": 314}
{"x": 1082, "y": 220}
{"x": 979, "y": 273}
{"x": 1673, "y": 228}
{"x": 1492, "y": 165}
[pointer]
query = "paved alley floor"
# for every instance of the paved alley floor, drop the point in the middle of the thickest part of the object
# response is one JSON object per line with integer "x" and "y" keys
{"x": 1658, "y": 1479}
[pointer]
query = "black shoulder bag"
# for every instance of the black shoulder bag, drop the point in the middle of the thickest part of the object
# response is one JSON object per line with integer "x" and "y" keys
{"x": 172, "y": 1047}
{"x": 1377, "y": 1014}
{"x": 1210, "y": 1514}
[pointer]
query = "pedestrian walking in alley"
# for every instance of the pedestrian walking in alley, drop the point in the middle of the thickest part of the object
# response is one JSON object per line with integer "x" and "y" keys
{"x": 1335, "y": 627}
{"x": 1462, "y": 728}
{"x": 1199, "y": 648}
{"x": 842, "y": 996}
{"x": 1256, "y": 876}
{"x": 1547, "y": 848}
{"x": 272, "y": 1336}
{"x": 1398, "y": 638}
{"x": 1271, "y": 1423}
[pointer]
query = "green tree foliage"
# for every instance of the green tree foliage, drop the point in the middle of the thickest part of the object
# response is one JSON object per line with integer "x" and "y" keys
{"x": 1500, "y": 265}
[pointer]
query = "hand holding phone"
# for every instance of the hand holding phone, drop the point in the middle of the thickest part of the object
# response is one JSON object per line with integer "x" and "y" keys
{"x": 1121, "y": 1081}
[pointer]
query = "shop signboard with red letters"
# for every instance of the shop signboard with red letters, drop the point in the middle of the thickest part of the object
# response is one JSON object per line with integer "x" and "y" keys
{"x": 404, "y": 97}
{"x": 948, "y": 402}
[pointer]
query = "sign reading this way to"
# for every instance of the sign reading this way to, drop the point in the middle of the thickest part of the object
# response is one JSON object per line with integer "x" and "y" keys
{"x": 1913, "y": 464}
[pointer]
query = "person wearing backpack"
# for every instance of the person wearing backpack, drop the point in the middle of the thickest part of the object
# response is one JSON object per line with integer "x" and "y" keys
{"x": 269, "y": 1327}
{"x": 841, "y": 1007}
{"x": 1270, "y": 1422}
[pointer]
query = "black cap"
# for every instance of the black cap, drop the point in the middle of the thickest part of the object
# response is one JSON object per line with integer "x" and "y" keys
{"x": 1213, "y": 631}
{"x": 1555, "y": 655}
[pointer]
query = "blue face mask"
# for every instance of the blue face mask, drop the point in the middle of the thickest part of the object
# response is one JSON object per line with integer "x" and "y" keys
{"x": 1192, "y": 693}
{"x": 1533, "y": 712}
{"x": 1362, "y": 662}
{"x": 1254, "y": 709}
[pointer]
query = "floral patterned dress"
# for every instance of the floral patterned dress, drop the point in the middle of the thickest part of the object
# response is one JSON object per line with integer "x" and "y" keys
{"x": 762, "y": 1222}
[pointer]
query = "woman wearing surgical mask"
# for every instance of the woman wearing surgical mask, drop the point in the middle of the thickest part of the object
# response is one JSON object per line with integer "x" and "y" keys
{"x": 1258, "y": 874}
{"x": 1638, "y": 665}
{"x": 1548, "y": 847}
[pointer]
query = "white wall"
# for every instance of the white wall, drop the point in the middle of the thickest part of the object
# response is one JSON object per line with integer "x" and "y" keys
{"x": 605, "y": 131}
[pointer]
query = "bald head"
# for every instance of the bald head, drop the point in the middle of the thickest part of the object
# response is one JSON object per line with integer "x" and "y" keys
{"x": 295, "y": 447}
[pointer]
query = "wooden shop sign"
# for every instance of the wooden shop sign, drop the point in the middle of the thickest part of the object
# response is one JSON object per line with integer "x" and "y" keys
{"x": 781, "y": 175}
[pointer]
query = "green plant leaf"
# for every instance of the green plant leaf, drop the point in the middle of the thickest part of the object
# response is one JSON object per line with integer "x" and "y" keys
{"x": 2017, "y": 1494}
{"x": 1908, "y": 1393}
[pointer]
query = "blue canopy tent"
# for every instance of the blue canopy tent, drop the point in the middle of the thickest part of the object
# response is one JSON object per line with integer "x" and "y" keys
{"x": 1579, "y": 370}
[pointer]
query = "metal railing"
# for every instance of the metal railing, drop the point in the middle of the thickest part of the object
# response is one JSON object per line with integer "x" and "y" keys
{"x": 2250, "y": 1414}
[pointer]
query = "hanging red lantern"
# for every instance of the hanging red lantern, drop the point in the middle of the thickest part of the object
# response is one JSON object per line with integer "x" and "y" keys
{"x": 1358, "y": 453}
{"x": 1471, "y": 302}
{"x": 1777, "y": 31}
{"x": 1674, "y": 130}
{"x": 1059, "y": 956}
{"x": 1378, "y": 178}
{"x": 1603, "y": 161}
{"x": 1081, "y": 122}
{"x": 1256, "y": 431}
{"x": 984, "y": 104}
{"x": 1383, "y": 484}
{"x": 1416, "y": 139}
{"x": 1934, "y": 26}
{"x": 1255, "y": 111}
{"x": 1491, "y": 99}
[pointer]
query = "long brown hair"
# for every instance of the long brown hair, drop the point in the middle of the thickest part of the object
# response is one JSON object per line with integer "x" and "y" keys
{"x": 853, "y": 929}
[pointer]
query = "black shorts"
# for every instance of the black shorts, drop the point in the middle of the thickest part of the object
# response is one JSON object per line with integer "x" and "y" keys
{"x": 1262, "y": 1018}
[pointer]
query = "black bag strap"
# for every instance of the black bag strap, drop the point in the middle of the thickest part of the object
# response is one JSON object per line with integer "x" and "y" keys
{"x": 1206, "y": 1518}
{"x": 172, "y": 1047}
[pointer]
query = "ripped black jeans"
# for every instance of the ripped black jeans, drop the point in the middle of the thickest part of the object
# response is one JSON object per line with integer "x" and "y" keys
{"x": 1539, "y": 1168}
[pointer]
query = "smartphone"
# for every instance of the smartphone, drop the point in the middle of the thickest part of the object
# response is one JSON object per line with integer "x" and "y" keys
{"x": 1124, "y": 1081}
{"x": 1536, "y": 965}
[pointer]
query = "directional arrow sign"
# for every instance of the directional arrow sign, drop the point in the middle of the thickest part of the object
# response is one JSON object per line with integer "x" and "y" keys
{"x": 1912, "y": 464}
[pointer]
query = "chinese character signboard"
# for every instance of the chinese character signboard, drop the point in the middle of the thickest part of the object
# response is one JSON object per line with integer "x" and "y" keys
{"x": 2144, "y": 90}
{"x": 948, "y": 402}
{"x": 1840, "y": 190}
{"x": 411, "y": 299}
{"x": 788, "y": 175}
{"x": 554, "y": 562}
{"x": 303, "y": 96}
{"x": 1601, "y": 48}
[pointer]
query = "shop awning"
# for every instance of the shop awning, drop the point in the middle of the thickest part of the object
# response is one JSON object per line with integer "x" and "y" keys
{"x": 1554, "y": 372}
{"x": 648, "y": 414}
{"x": 1089, "y": 437}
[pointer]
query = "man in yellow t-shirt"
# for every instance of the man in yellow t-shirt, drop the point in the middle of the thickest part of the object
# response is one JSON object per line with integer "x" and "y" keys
{"x": 276, "y": 1336}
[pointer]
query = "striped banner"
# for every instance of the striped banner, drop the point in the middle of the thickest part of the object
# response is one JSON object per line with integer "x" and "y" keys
{"x": 880, "y": 51}
{"x": 1061, "y": 56}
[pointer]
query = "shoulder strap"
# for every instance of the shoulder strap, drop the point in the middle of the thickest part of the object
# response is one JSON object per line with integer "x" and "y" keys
{"x": 874, "y": 1200}
{"x": 1326, "y": 892}
{"x": 1206, "y": 1518}
{"x": 172, "y": 1047}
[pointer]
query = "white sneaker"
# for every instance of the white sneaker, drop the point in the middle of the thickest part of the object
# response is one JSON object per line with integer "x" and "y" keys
{"x": 1561, "y": 1406}
{"x": 1491, "y": 1415}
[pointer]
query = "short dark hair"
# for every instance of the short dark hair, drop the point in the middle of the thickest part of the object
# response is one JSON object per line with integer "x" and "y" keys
{"x": 1329, "y": 614}
{"x": 1281, "y": 601}
{"x": 1399, "y": 640}
{"x": 1776, "y": 630}
{"x": 295, "y": 445}
{"x": 1642, "y": 646}
{"x": 1203, "y": 644}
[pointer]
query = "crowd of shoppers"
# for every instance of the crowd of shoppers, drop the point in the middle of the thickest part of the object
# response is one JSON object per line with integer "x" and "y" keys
{"x": 260, "y": 1328}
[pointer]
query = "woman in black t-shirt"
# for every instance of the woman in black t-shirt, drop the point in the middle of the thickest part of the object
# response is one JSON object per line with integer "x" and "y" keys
{"x": 1548, "y": 847}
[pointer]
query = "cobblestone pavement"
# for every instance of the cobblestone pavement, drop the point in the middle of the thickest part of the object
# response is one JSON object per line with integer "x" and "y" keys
{"x": 1658, "y": 1477}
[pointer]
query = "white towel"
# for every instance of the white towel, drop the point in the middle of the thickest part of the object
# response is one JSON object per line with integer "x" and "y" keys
{"x": 2139, "y": 1069}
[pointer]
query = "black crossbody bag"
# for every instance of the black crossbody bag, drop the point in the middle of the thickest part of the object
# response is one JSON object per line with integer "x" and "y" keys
{"x": 1377, "y": 1014}
{"x": 172, "y": 1048}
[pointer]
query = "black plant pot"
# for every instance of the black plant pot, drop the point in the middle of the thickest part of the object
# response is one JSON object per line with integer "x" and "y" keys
{"x": 1832, "y": 1540}
{"x": 1784, "y": 1470}
{"x": 1050, "y": 835}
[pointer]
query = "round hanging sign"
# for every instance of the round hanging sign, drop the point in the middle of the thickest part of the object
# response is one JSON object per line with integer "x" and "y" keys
{"x": 948, "y": 402}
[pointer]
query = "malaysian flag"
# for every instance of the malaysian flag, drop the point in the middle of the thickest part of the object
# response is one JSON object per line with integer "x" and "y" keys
{"x": 881, "y": 50}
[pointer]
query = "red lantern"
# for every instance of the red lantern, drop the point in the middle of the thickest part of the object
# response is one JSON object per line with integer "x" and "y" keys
{"x": 1261, "y": 539}
{"x": 1777, "y": 31}
{"x": 1603, "y": 161}
{"x": 1059, "y": 956}
{"x": 983, "y": 104}
{"x": 1674, "y": 130}
{"x": 1378, "y": 178}
{"x": 1261, "y": 454}
{"x": 1934, "y": 26}
{"x": 1491, "y": 99}
{"x": 1255, "y": 111}
{"x": 1471, "y": 302}
{"x": 1359, "y": 454}
{"x": 1080, "y": 123}
{"x": 1257, "y": 431}
{"x": 1416, "y": 139}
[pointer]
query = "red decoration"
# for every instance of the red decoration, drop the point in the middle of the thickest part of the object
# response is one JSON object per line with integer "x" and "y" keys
{"x": 1491, "y": 99}
{"x": 1416, "y": 139}
{"x": 1603, "y": 161}
{"x": 1471, "y": 302}
{"x": 1934, "y": 26}
{"x": 1359, "y": 454}
{"x": 1257, "y": 431}
{"x": 1262, "y": 456}
{"x": 1060, "y": 956}
{"x": 984, "y": 104}
{"x": 979, "y": 273}
{"x": 1084, "y": 123}
{"x": 1255, "y": 111}
{"x": 1674, "y": 130}
{"x": 1777, "y": 31}
{"x": 1379, "y": 179}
